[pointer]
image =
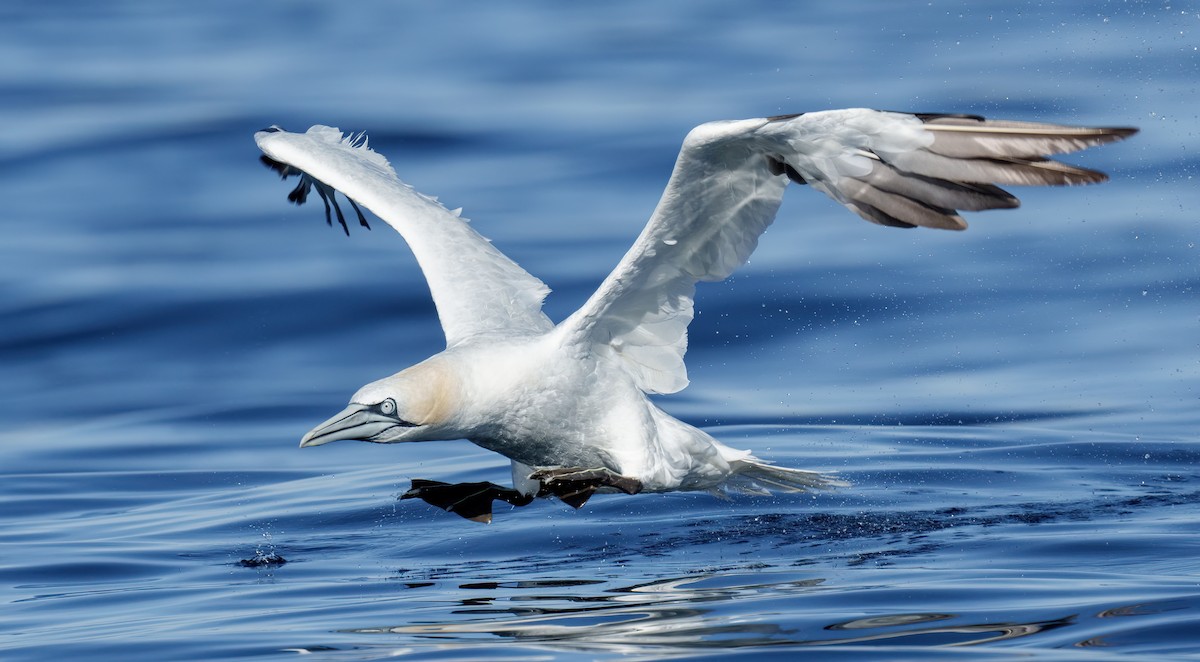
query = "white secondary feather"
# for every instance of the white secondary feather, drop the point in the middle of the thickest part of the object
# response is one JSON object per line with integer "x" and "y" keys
{"x": 548, "y": 396}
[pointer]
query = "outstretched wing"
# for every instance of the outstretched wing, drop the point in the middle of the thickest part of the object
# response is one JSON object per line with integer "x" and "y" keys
{"x": 477, "y": 290}
{"x": 890, "y": 168}
{"x": 907, "y": 170}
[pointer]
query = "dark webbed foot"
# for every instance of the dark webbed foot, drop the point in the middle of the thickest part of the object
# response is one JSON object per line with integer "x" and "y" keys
{"x": 470, "y": 500}
{"x": 574, "y": 485}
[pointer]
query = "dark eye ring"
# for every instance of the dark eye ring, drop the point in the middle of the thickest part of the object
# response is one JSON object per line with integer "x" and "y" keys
{"x": 387, "y": 407}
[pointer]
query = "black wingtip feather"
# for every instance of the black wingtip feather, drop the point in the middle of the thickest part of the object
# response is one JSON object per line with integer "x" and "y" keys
{"x": 338, "y": 210}
{"x": 781, "y": 167}
{"x": 362, "y": 220}
{"x": 1121, "y": 132}
{"x": 926, "y": 117}
{"x": 325, "y": 199}
{"x": 282, "y": 169}
{"x": 299, "y": 194}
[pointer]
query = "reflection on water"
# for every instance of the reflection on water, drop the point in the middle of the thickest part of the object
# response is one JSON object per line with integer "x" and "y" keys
{"x": 663, "y": 612}
{"x": 951, "y": 635}
{"x": 693, "y": 612}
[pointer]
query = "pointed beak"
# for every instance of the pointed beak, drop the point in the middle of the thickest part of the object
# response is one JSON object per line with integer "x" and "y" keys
{"x": 359, "y": 422}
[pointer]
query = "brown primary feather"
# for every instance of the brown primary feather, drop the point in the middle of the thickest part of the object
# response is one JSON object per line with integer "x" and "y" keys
{"x": 995, "y": 170}
{"x": 964, "y": 137}
{"x": 959, "y": 170}
{"x": 906, "y": 211}
{"x": 940, "y": 192}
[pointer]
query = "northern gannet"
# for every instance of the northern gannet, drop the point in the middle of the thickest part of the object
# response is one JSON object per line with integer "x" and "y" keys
{"x": 567, "y": 403}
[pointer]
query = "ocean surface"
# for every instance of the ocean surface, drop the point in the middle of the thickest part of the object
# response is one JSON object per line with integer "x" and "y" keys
{"x": 1016, "y": 406}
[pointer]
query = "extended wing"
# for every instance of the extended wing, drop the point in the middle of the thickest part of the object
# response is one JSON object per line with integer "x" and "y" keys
{"x": 476, "y": 288}
{"x": 890, "y": 168}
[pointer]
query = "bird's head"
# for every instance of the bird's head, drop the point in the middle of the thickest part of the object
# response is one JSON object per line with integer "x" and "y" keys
{"x": 412, "y": 405}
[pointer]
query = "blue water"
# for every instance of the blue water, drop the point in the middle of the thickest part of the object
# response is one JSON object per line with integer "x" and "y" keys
{"x": 1016, "y": 406}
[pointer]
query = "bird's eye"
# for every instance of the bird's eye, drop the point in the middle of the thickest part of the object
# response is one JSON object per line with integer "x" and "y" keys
{"x": 387, "y": 407}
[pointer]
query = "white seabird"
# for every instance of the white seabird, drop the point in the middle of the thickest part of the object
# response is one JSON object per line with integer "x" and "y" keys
{"x": 567, "y": 403}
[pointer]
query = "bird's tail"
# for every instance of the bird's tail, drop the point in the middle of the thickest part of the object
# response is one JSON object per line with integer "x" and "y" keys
{"x": 751, "y": 475}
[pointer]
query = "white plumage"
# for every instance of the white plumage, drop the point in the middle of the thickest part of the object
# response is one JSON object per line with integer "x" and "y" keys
{"x": 567, "y": 403}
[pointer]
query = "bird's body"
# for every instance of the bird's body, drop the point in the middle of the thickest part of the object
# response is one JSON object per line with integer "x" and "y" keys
{"x": 507, "y": 395}
{"x": 568, "y": 402}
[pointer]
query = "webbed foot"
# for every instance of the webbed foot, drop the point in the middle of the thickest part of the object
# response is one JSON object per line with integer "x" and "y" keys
{"x": 575, "y": 485}
{"x": 470, "y": 500}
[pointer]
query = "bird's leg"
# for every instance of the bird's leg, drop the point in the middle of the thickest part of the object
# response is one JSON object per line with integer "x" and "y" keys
{"x": 470, "y": 500}
{"x": 575, "y": 485}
